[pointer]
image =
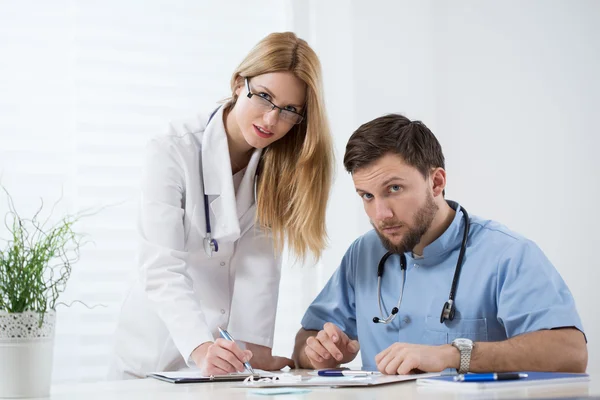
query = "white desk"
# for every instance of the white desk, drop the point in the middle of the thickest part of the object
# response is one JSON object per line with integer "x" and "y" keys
{"x": 151, "y": 389}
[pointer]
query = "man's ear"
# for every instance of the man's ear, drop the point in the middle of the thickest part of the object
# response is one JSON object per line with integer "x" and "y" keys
{"x": 438, "y": 181}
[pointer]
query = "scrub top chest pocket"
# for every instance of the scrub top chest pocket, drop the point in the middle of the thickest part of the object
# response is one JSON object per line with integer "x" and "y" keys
{"x": 468, "y": 328}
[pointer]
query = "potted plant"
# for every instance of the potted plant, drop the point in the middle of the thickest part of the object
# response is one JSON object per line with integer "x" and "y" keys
{"x": 35, "y": 265}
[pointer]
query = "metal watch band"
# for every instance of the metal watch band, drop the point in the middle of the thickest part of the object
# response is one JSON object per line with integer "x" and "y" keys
{"x": 465, "y": 359}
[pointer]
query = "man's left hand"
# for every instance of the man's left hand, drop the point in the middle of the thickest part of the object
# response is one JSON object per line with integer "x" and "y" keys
{"x": 404, "y": 358}
{"x": 263, "y": 358}
{"x": 273, "y": 363}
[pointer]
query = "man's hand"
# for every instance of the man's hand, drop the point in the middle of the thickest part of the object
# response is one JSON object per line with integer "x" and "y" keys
{"x": 404, "y": 358}
{"x": 330, "y": 347}
{"x": 220, "y": 357}
{"x": 265, "y": 360}
{"x": 273, "y": 363}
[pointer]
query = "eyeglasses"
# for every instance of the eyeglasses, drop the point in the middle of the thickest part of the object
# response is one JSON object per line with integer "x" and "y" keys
{"x": 267, "y": 105}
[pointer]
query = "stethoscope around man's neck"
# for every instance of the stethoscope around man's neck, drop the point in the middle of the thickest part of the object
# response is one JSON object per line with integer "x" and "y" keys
{"x": 449, "y": 308}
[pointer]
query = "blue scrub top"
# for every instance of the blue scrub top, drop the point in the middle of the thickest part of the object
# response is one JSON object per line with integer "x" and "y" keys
{"x": 507, "y": 286}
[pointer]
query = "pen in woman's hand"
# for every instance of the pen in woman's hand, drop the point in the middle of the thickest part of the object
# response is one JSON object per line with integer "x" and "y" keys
{"x": 225, "y": 335}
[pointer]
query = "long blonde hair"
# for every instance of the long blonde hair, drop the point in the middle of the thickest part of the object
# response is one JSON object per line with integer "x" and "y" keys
{"x": 295, "y": 172}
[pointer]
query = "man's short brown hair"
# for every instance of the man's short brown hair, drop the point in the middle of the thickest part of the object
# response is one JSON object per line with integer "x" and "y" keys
{"x": 394, "y": 134}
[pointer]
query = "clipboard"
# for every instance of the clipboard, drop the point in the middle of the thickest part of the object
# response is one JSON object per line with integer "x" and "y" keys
{"x": 194, "y": 376}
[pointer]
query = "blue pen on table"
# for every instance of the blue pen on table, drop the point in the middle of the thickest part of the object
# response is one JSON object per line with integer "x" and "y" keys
{"x": 227, "y": 336}
{"x": 506, "y": 376}
{"x": 337, "y": 372}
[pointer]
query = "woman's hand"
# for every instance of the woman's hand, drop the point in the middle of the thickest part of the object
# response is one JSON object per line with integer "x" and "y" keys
{"x": 220, "y": 358}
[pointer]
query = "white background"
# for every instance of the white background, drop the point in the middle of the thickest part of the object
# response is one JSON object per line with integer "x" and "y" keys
{"x": 509, "y": 88}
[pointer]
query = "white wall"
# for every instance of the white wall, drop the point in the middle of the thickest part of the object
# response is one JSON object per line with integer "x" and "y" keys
{"x": 509, "y": 88}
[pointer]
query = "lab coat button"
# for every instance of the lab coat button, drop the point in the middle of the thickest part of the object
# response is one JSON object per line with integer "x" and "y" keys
{"x": 222, "y": 311}
{"x": 223, "y": 263}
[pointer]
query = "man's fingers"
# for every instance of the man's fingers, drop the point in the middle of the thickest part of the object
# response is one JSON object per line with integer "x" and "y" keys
{"x": 385, "y": 361}
{"x": 380, "y": 356}
{"x": 317, "y": 347}
{"x": 312, "y": 355}
{"x": 327, "y": 342}
{"x": 392, "y": 365}
{"x": 353, "y": 346}
{"x": 408, "y": 364}
{"x": 334, "y": 332}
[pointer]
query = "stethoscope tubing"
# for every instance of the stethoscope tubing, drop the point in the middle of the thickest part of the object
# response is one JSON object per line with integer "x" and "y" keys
{"x": 449, "y": 309}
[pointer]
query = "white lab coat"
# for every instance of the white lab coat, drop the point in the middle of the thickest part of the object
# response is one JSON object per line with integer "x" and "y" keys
{"x": 181, "y": 295}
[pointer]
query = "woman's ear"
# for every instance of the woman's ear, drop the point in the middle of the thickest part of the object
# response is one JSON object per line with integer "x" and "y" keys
{"x": 239, "y": 83}
{"x": 438, "y": 181}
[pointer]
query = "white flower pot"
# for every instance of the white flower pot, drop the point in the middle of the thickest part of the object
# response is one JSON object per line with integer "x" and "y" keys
{"x": 26, "y": 351}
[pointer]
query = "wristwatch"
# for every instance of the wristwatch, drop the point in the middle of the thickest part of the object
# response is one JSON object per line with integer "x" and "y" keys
{"x": 465, "y": 346}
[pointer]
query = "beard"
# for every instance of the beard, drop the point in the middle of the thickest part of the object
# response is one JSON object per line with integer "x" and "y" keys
{"x": 423, "y": 219}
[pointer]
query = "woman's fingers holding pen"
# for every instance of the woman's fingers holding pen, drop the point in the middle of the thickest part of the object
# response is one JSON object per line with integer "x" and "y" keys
{"x": 242, "y": 355}
{"x": 206, "y": 358}
{"x": 228, "y": 356}
{"x": 215, "y": 363}
{"x": 213, "y": 370}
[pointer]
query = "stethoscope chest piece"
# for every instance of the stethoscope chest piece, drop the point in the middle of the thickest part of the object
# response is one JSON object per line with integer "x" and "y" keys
{"x": 210, "y": 245}
{"x": 448, "y": 311}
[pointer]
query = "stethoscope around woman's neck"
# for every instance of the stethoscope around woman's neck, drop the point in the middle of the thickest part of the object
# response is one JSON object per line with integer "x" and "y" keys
{"x": 210, "y": 245}
{"x": 449, "y": 308}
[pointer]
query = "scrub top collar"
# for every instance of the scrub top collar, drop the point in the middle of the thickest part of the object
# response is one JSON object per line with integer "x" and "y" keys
{"x": 450, "y": 240}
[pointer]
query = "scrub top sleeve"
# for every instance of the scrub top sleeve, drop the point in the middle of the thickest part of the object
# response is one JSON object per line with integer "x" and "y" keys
{"x": 336, "y": 302}
{"x": 161, "y": 255}
{"x": 531, "y": 293}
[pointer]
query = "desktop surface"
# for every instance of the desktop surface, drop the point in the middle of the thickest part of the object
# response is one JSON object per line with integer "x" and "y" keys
{"x": 152, "y": 389}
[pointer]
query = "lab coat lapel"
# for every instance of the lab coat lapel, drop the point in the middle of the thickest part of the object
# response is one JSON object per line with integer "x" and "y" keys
{"x": 245, "y": 193}
{"x": 216, "y": 168}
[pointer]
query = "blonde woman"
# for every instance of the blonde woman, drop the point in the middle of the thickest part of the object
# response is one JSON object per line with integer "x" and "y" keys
{"x": 220, "y": 195}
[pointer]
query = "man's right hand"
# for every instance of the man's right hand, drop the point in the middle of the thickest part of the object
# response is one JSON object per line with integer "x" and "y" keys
{"x": 220, "y": 358}
{"x": 330, "y": 347}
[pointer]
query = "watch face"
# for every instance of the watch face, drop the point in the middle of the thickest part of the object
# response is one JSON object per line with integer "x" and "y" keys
{"x": 462, "y": 343}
